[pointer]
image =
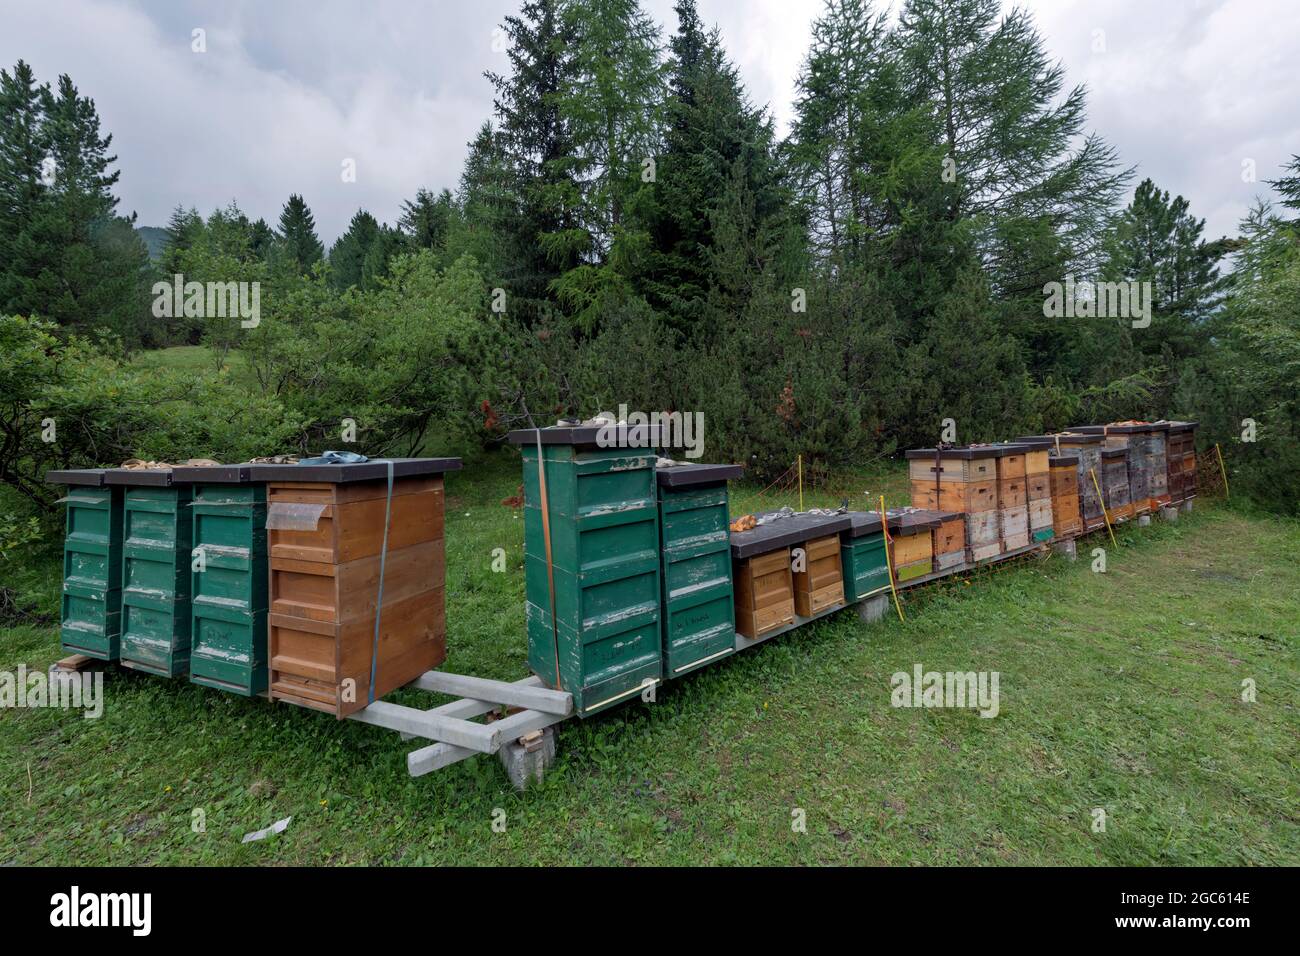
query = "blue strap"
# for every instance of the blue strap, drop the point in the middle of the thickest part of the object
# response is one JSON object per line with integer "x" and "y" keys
{"x": 379, "y": 602}
{"x": 335, "y": 458}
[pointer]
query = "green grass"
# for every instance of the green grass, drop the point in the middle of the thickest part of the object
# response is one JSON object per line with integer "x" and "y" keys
{"x": 1119, "y": 690}
{"x": 192, "y": 359}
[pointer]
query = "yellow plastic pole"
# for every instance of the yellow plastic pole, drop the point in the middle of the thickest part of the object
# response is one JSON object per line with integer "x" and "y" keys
{"x": 889, "y": 565}
{"x": 801, "y": 481}
{"x": 1104, "y": 513}
{"x": 1223, "y": 471}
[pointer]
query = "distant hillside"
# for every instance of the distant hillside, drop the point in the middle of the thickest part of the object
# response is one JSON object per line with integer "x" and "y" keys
{"x": 155, "y": 237}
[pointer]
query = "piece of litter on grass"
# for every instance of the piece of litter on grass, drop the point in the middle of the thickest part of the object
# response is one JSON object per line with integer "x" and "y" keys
{"x": 279, "y": 826}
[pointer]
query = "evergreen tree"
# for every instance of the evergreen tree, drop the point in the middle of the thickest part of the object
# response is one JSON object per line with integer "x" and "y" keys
{"x": 1157, "y": 240}
{"x": 63, "y": 252}
{"x": 846, "y": 60}
{"x": 611, "y": 103}
{"x": 535, "y": 140}
{"x": 427, "y": 219}
{"x": 1288, "y": 186}
{"x": 717, "y": 148}
{"x": 297, "y": 234}
{"x": 24, "y": 144}
{"x": 348, "y": 254}
{"x": 181, "y": 230}
{"x": 1010, "y": 133}
{"x": 486, "y": 227}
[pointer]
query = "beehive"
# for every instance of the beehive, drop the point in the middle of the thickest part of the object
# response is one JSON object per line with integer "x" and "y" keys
{"x": 949, "y": 540}
{"x": 230, "y": 584}
{"x": 1087, "y": 448}
{"x": 156, "y": 558}
{"x": 91, "y": 603}
{"x": 1141, "y": 452}
{"x": 1115, "y": 483}
{"x": 773, "y": 584}
{"x": 1157, "y": 464}
{"x": 1180, "y": 461}
{"x": 862, "y": 556}
{"x": 911, "y": 546}
{"x": 357, "y": 562}
{"x": 974, "y": 481}
{"x": 698, "y": 615}
{"x": 1067, "y": 520}
{"x": 819, "y": 578}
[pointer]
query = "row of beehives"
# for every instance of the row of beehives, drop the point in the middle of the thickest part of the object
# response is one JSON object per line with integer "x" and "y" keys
{"x": 323, "y": 584}
{"x": 633, "y": 576}
{"x": 260, "y": 578}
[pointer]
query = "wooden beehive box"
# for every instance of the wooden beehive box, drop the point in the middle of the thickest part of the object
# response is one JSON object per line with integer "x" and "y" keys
{"x": 979, "y": 495}
{"x": 765, "y": 580}
{"x": 949, "y": 541}
{"x": 328, "y": 559}
{"x": 1011, "y": 492}
{"x": 1040, "y": 514}
{"x": 1012, "y": 463}
{"x": 911, "y": 549}
{"x": 764, "y": 593}
{"x": 821, "y": 582}
{"x": 1036, "y": 461}
{"x": 1038, "y": 485}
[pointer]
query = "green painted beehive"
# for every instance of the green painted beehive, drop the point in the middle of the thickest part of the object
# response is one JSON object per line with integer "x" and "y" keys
{"x": 155, "y": 572}
{"x": 699, "y": 615}
{"x": 229, "y": 595}
{"x": 602, "y": 615}
{"x": 862, "y": 552}
{"x": 91, "y": 603}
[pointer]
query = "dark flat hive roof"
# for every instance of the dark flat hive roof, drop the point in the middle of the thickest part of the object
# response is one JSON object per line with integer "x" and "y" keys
{"x": 968, "y": 452}
{"x": 590, "y": 436}
{"x": 863, "y": 523}
{"x": 908, "y": 523}
{"x": 1121, "y": 429}
{"x": 689, "y": 474}
{"x": 92, "y": 477}
{"x": 784, "y": 532}
{"x": 140, "y": 477}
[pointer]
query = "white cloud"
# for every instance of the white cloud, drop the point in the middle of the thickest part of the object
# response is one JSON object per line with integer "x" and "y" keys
{"x": 1185, "y": 91}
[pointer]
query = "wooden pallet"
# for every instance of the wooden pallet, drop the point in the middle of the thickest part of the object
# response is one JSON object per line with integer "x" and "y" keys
{"x": 454, "y": 732}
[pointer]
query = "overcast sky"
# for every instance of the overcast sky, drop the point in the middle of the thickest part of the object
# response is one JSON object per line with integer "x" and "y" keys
{"x": 1187, "y": 90}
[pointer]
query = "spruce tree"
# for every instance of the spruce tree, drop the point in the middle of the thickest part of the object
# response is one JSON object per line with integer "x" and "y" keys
{"x": 535, "y": 140}
{"x": 716, "y": 145}
{"x": 297, "y": 234}
{"x": 426, "y": 220}
{"x": 348, "y": 254}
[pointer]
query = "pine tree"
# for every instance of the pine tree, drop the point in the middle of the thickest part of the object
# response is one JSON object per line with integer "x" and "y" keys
{"x": 348, "y": 254}
{"x": 1157, "y": 240}
{"x": 535, "y": 140}
{"x": 845, "y": 62}
{"x": 23, "y": 148}
{"x": 426, "y": 220}
{"x": 1010, "y": 133}
{"x": 1288, "y": 186}
{"x": 487, "y": 224}
{"x": 64, "y": 254}
{"x": 79, "y": 154}
{"x": 717, "y": 148}
{"x": 297, "y": 234}
{"x": 611, "y": 104}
